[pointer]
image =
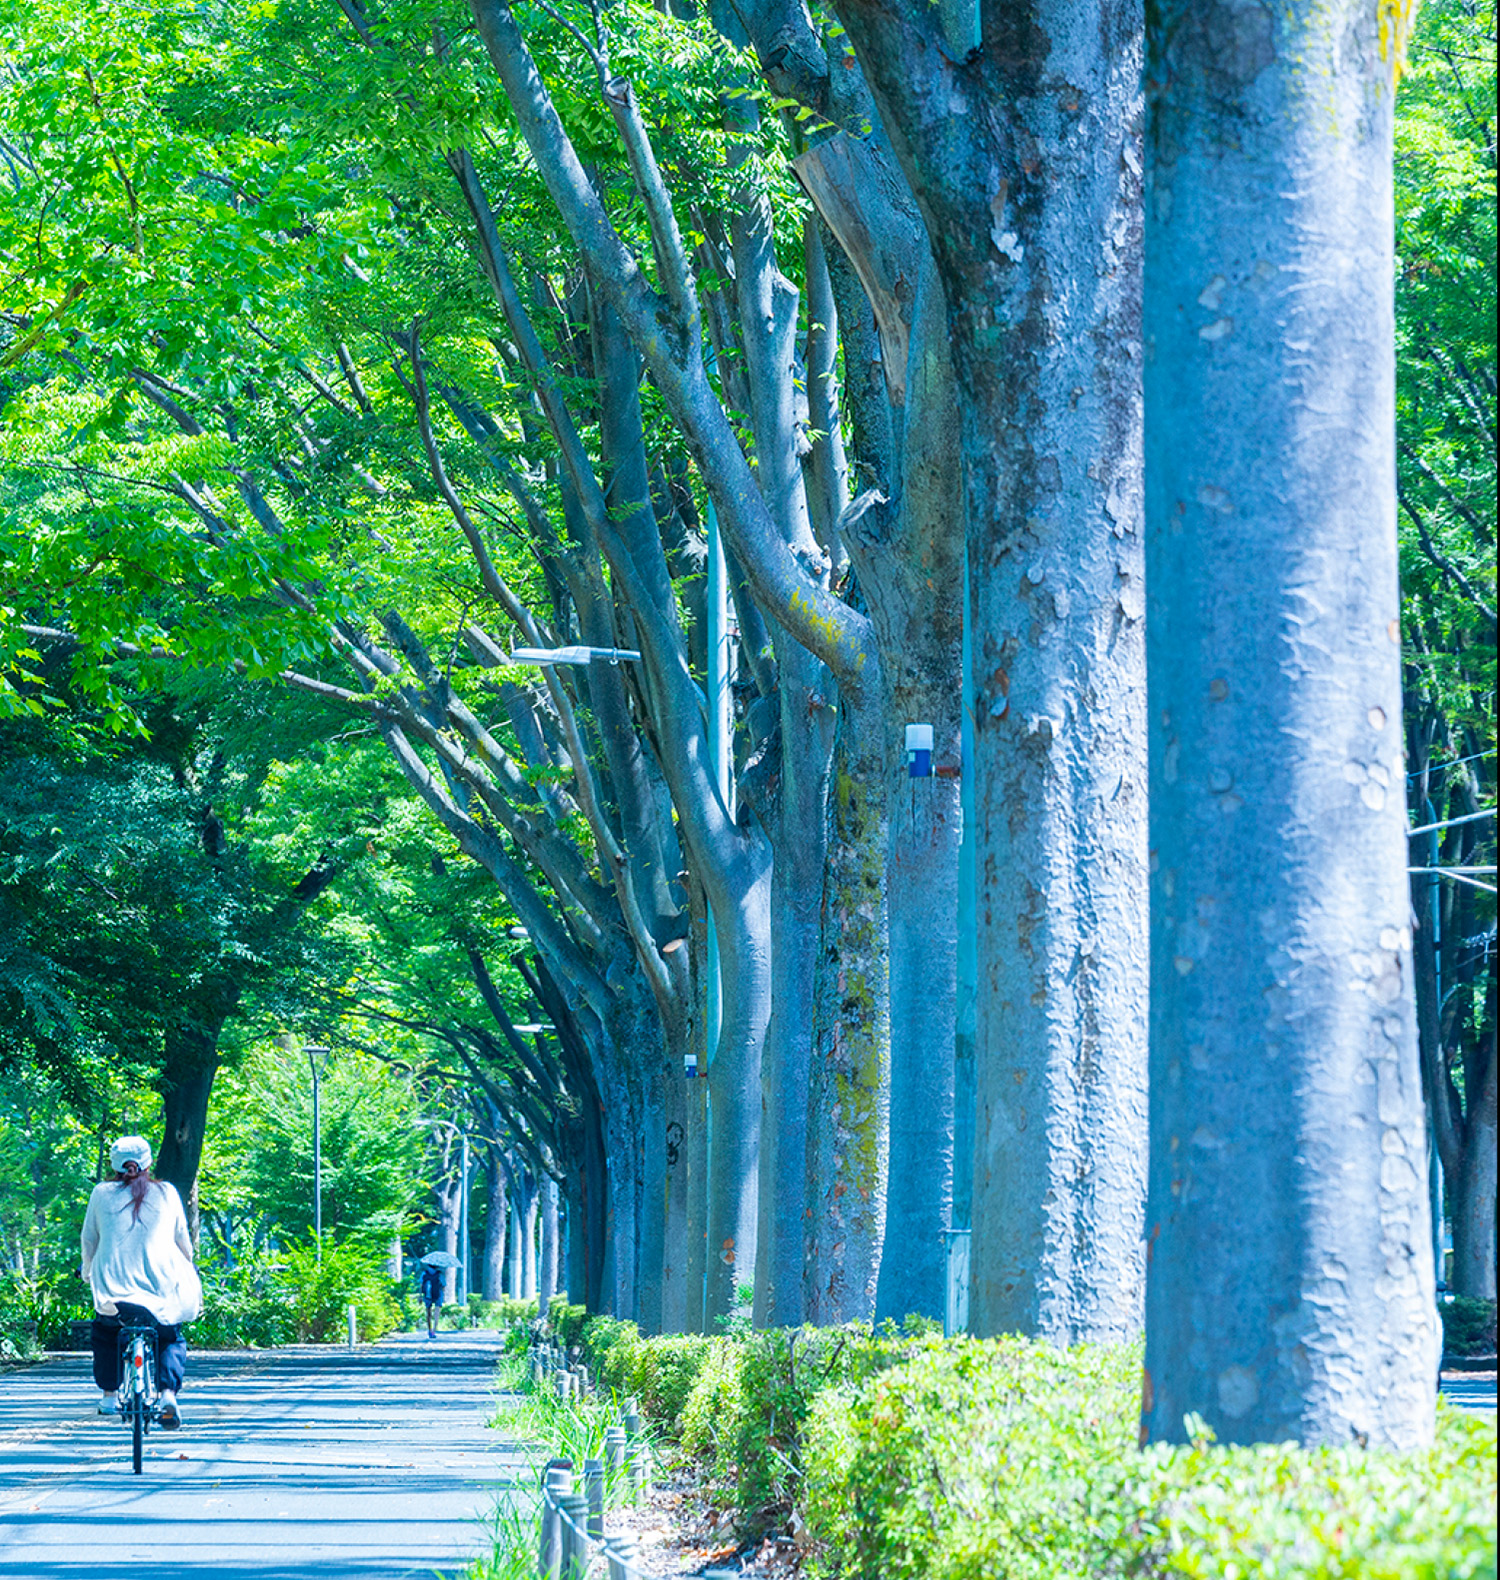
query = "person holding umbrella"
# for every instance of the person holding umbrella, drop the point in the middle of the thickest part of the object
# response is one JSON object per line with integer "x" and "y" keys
{"x": 432, "y": 1285}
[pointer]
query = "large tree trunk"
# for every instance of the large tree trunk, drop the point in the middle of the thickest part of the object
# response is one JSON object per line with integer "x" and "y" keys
{"x": 514, "y": 1259}
{"x": 676, "y": 1117}
{"x": 548, "y": 1259}
{"x": 1471, "y": 1191}
{"x": 1461, "y": 1124}
{"x": 914, "y": 584}
{"x": 1289, "y": 1291}
{"x": 492, "y": 1274}
{"x": 528, "y": 1240}
{"x": 575, "y": 1240}
{"x": 185, "y": 1083}
{"x": 1022, "y": 157}
{"x": 705, "y": 1007}
{"x": 848, "y": 1134}
{"x": 796, "y": 890}
{"x": 743, "y": 931}
{"x": 651, "y": 1240}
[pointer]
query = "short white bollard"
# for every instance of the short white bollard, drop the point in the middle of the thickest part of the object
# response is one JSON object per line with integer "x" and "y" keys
{"x": 353, "y": 1328}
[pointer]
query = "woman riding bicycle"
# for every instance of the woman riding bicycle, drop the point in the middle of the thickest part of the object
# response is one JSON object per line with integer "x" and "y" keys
{"x": 138, "y": 1259}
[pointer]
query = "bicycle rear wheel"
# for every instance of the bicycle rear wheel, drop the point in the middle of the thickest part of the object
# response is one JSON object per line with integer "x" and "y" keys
{"x": 137, "y": 1429}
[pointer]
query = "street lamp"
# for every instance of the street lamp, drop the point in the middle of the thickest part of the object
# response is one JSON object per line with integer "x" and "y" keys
{"x": 315, "y": 1054}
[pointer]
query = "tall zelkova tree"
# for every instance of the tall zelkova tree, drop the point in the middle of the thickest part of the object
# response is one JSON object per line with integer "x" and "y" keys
{"x": 1289, "y": 1286}
{"x": 1018, "y": 132}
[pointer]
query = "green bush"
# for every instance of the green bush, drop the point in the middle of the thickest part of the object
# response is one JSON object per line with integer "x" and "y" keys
{"x": 505, "y": 1312}
{"x": 1325, "y": 1515}
{"x": 38, "y": 1311}
{"x": 664, "y": 1373}
{"x": 567, "y": 1321}
{"x": 353, "y": 1273}
{"x": 660, "y": 1373}
{"x": 712, "y": 1414}
{"x": 245, "y": 1307}
{"x": 609, "y": 1346}
{"x": 1468, "y": 1326}
{"x": 974, "y": 1460}
{"x": 911, "y": 1457}
{"x": 969, "y": 1460}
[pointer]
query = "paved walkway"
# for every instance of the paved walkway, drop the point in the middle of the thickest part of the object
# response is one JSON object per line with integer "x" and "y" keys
{"x": 1470, "y": 1390}
{"x": 373, "y": 1464}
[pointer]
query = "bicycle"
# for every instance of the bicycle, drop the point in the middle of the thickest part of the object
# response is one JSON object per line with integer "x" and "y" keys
{"x": 140, "y": 1404}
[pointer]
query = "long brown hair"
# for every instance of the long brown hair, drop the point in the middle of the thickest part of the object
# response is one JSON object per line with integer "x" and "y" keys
{"x": 137, "y": 1184}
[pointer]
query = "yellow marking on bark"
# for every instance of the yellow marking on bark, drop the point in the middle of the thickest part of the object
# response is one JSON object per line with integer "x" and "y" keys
{"x": 1396, "y": 20}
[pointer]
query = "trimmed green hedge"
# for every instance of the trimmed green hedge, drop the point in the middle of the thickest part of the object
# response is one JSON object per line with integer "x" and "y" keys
{"x": 910, "y": 1457}
{"x": 976, "y": 1460}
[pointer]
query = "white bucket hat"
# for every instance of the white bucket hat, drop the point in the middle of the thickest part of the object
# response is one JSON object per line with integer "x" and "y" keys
{"x": 130, "y": 1149}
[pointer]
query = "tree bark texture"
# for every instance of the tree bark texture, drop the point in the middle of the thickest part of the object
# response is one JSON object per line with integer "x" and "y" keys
{"x": 910, "y": 556}
{"x": 848, "y": 1126}
{"x": 796, "y": 890}
{"x": 492, "y": 1273}
{"x": 191, "y": 1061}
{"x": 1023, "y": 158}
{"x": 675, "y": 1119}
{"x": 528, "y": 1218}
{"x": 1289, "y": 1289}
{"x": 743, "y": 928}
{"x": 548, "y": 1258}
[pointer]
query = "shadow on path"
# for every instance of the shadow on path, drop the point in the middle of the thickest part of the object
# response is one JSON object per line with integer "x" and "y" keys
{"x": 372, "y": 1464}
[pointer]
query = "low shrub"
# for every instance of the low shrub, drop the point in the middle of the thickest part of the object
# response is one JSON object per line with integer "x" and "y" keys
{"x": 244, "y": 1307}
{"x": 1328, "y": 1514}
{"x": 664, "y": 1373}
{"x": 37, "y": 1310}
{"x": 660, "y": 1372}
{"x": 713, "y": 1412}
{"x": 320, "y": 1292}
{"x": 972, "y": 1459}
{"x": 505, "y": 1312}
{"x": 567, "y": 1321}
{"x": 1468, "y": 1326}
{"x": 912, "y": 1457}
{"x": 1010, "y": 1458}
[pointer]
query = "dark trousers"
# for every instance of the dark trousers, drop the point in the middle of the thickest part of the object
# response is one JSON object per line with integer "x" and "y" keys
{"x": 171, "y": 1348}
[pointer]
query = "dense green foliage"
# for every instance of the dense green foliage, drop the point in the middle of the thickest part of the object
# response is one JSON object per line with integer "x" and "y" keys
{"x": 1446, "y": 380}
{"x": 1468, "y": 1326}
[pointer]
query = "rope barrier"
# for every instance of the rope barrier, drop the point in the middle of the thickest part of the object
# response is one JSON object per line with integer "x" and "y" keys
{"x": 573, "y": 1526}
{"x": 576, "y": 1558}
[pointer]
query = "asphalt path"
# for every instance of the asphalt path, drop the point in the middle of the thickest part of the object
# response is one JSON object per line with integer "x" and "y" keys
{"x": 1470, "y": 1390}
{"x": 371, "y": 1464}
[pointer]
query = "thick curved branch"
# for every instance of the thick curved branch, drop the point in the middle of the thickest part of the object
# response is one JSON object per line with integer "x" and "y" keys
{"x": 837, "y": 634}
